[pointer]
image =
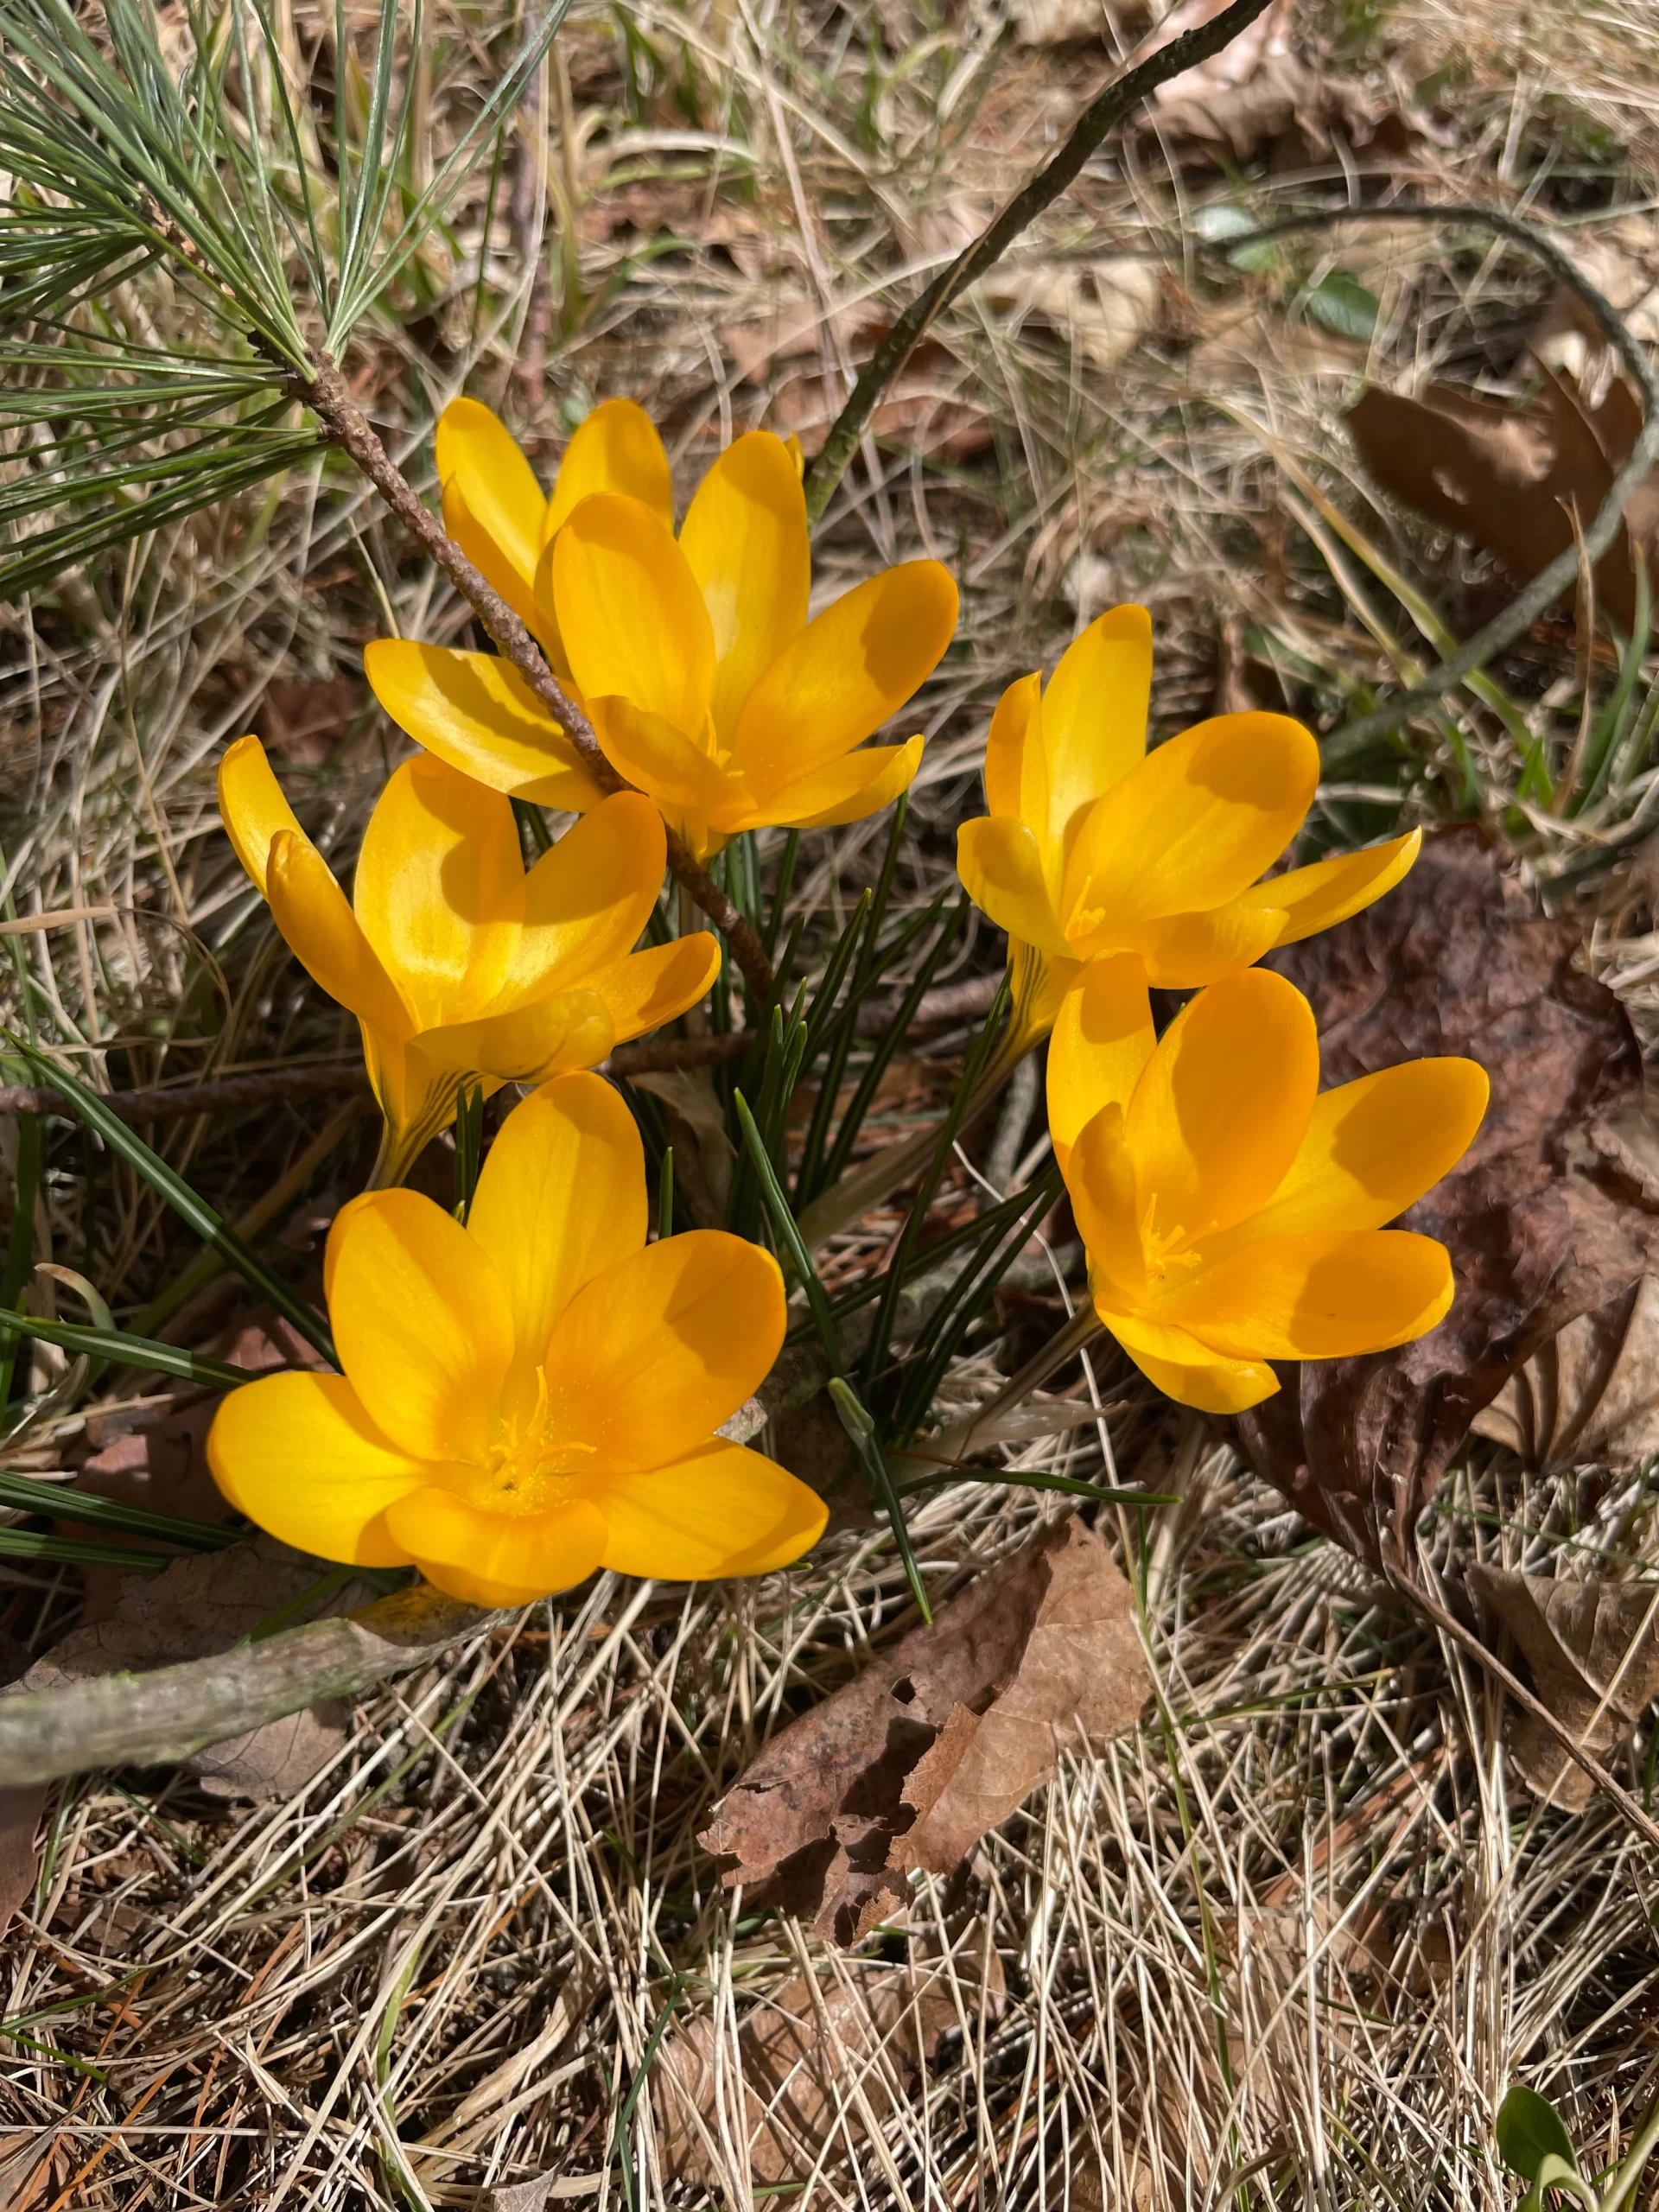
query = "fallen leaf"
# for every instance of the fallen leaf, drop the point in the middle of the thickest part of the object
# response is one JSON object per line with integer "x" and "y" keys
{"x": 535, "y": 2195}
{"x": 939, "y": 1738}
{"x": 305, "y": 718}
{"x": 1101, "y": 309}
{"x": 201, "y": 1604}
{"x": 871, "y": 2029}
{"x": 1591, "y": 1650}
{"x": 1258, "y": 92}
{"x": 1540, "y": 1228}
{"x": 1590, "y": 1397}
{"x": 1509, "y": 478}
{"x": 19, "y": 1816}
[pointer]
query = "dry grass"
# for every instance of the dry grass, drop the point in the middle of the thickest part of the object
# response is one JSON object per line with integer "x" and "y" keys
{"x": 1289, "y": 1943}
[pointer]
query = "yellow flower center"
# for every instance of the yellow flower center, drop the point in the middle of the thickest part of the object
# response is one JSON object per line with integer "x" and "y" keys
{"x": 525, "y": 1469}
{"x": 1162, "y": 1249}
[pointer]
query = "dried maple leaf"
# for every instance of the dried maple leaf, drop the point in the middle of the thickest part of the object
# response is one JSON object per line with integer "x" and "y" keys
{"x": 1509, "y": 478}
{"x": 939, "y": 1738}
{"x": 1593, "y": 1656}
{"x": 1538, "y": 1219}
{"x": 1590, "y": 1397}
{"x": 197, "y": 1606}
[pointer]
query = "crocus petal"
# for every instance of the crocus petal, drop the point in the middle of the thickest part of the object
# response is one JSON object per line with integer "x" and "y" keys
{"x": 1316, "y": 897}
{"x": 1001, "y": 865}
{"x": 629, "y": 612}
{"x": 252, "y": 806}
{"x": 745, "y": 537}
{"x": 315, "y": 918}
{"x": 1188, "y": 1371}
{"x": 1192, "y": 826}
{"x": 614, "y": 448}
{"x": 492, "y": 505}
{"x": 1183, "y": 951}
{"x": 691, "y": 788}
{"x": 1216, "y": 1119}
{"x": 440, "y": 890}
{"x": 721, "y": 1510}
{"x": 422, "y": 1322}
{"x": 1102, "y": 1040}
{"x": 568, "y": 1029}
{"x": 660, "y": 1349}
{"x": 845, "y": 791}
{"x": 1094, "y": 719}
{"x": 477, "y": 713}
{"x": 850, "y": 668}
{"x": 561, "y": 1198}
{"x": 586, "y": 901}
{"x": 1016, "y": 774}
{"x": 497, "y": 1558}
{"x": 1099, "y": 1173}
{"x": 299, "y": 1455}
{"x": 1318, "y": 1296}
{"x": 656, "y": 985}
{"x": 1375, "y": 1145}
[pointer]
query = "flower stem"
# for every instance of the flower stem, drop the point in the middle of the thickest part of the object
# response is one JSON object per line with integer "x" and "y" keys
{"x": 325, "y": 392}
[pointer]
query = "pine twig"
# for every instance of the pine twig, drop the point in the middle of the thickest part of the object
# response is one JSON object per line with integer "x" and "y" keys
{"x": 1101, "y": 117}
{"x": 327, "y": 393}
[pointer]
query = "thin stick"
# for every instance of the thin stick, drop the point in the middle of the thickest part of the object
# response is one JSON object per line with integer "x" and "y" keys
{"x": 1101, "y": 116}
{"x": 328, "y": 396}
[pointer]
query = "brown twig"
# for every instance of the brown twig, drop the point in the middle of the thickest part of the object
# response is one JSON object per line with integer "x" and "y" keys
{"x": 1101, "y": 116}
{"x": 325, "y": 392}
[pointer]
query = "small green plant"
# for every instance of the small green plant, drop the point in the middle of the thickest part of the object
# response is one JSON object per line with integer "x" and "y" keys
{"x": 1533, "y": 2142}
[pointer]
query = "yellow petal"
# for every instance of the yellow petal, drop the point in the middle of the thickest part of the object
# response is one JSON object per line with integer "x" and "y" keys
{"x": 1001, "y": 865}
{"x": 1094, "y": 718}
{"x": 722, "y": 1510}
{"x": 1038, "y": 983}
{"x": 659, "y": 1350}
{"x": 492, "y": 505}
{"x": 421, "y": 1321}
{"x": 660, "y": 983}
{"x": 315, "y": 918}
{"x": 477, "y": 713}
{"x": 567, "y": 1029}
{"x": 1192, "y": 826}
{"x": 744, "y": 538}
{"x": 298, "y": 1454}
{"x": 252, "y": 806}
{"x": 496, "y": 1559}
{"x": 1188, "y": 1371}
{"x": 1216, "y": 1119}
{"x": 1316, "y": 897}
{"x": 560, "y": 1198}
{"x": 614, "y": 448}
{"x": 847, "y": 671}
{"x": 1374, "y": 1147}
{"x": 1321, "y": 1296}
{"x": 1184, "y": 952}
{"x": 691, "y": 789}
{"x": 587, "y": 900}
{"x": 1100, "y": 1178}
{"x": 440, "y": 890}
{"x": 846, "y": 789}
{"x": 1016, "y": 774}
{"x": 1102, "y": 1040}
{"x": 631, "y": 614}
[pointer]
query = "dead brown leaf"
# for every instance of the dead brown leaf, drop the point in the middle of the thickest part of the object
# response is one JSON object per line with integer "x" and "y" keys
{"x": 1509, "y": 478}
{"x": 305, "y": 718}
{"x": 1259, "y": 91}
{"x": 1593, "y": 1656}
{"x": 939, "y": 1739}
{"x": 1539, "y": 1224}
{"x": 816, "y": 2056}
{"x": 1590, "y": 1397}
{"x": 200, "y": 1605}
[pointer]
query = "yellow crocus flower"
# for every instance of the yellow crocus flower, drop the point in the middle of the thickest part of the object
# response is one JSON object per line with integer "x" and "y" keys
{"x": 1232, "y": 1213}
{"x": 457, "y": 964}
{"x": 707, "y": 687}
{"x": 535, "y": 1394}
{"x": 1095, "y": 846}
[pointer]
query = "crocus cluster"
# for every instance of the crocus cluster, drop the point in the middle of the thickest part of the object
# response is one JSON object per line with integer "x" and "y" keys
{"x": 533, "y": 1387}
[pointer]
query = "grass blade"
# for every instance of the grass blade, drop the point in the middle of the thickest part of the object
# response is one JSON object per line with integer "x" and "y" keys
{"x": 114, "y": 1346}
